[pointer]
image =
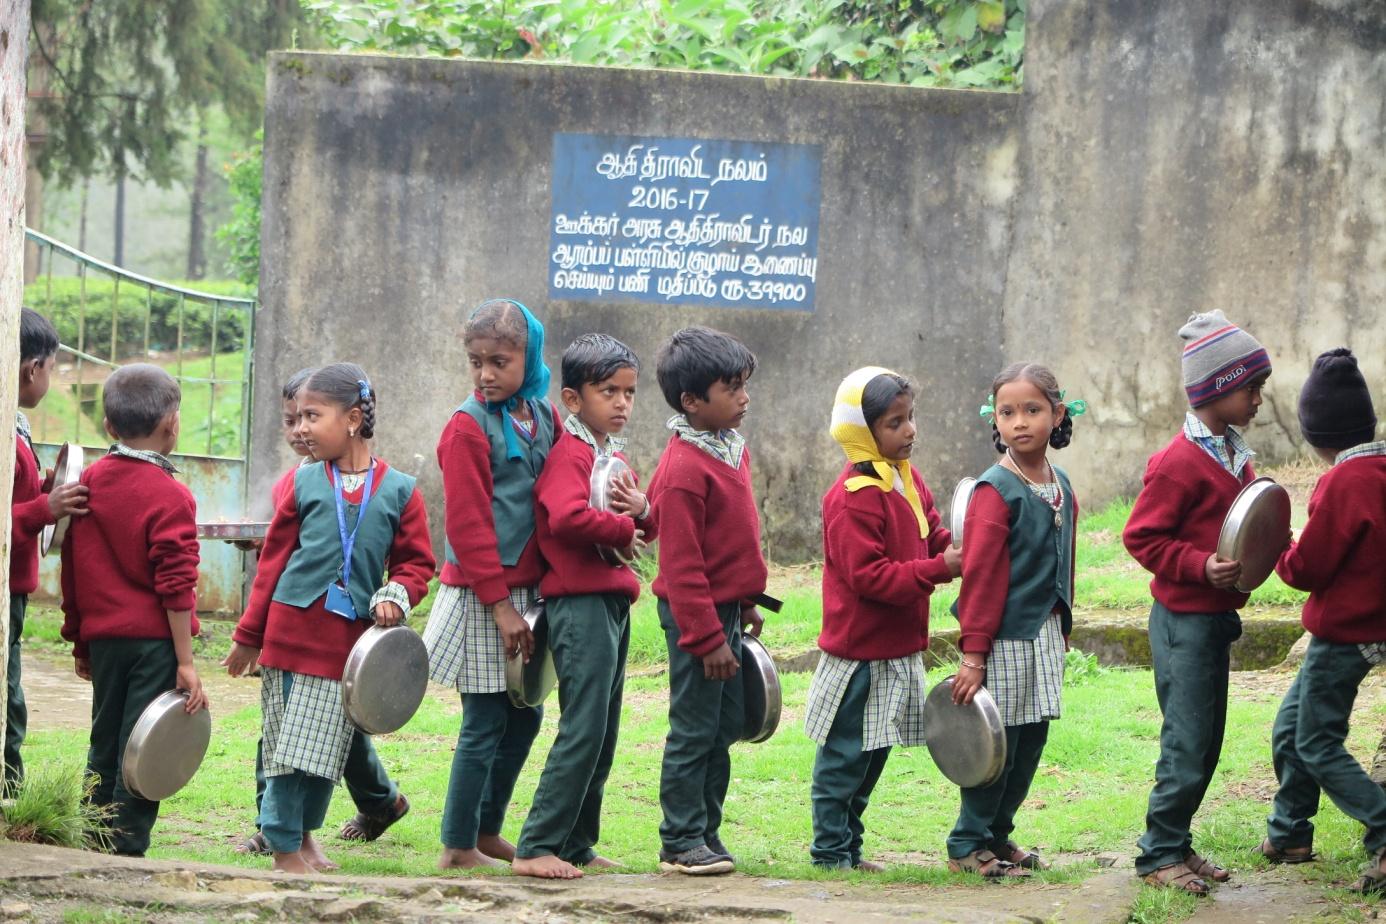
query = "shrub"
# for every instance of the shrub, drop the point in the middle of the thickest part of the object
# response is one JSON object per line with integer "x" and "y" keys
{"x": 53, "y": 806}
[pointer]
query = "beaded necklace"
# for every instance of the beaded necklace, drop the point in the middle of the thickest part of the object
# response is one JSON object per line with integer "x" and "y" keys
{"x": 1058, "y": 509}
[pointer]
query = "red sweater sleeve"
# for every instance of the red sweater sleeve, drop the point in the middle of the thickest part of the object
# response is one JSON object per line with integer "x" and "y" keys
{"x": 856, "y": 540}
{"x": 411, "y": 562}
{"x": 464, "y": 455}
{"x": 280, "y": 541}
{"x": 1313, "y": 562}
{"x": 173, "y": 551}
{"x": 564, "y": 497}
{"x": 986, "y": 570}
{"x": 683, "y": 569}
{"x": 30, "y": 517}
{"x": 72, "y": 616}
{"x": 1154, "y": 522}
{"x": 936, "y": 570}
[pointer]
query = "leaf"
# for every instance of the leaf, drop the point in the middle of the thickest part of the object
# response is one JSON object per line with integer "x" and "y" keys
{"x": 852, "y": 53}
{"x": 991, "y": 16}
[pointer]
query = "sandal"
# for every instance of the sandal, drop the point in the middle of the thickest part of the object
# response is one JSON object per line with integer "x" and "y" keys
{"x": 1288, "y": 855}
{"x": 255, "y": 845}
{"x": 1027, "y": 859}
{"x": 1177, "y": 876}
{"x": 364, "y": 827}
{"x": 987, "y": 865}
{"x": 1205, "y": 868}
{"x": 1373, "y": 878}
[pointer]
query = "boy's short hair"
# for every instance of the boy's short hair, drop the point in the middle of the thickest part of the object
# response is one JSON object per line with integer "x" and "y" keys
{"x": 594, "y": 358}
{"x": 38, "y": 339}
{"x": 296, "y": 381}
{"x": 137, "y": 397}
{"x": 696, "y": 357}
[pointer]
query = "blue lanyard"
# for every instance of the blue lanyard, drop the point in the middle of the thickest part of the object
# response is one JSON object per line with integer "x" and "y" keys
{"x": 349, "y": 539}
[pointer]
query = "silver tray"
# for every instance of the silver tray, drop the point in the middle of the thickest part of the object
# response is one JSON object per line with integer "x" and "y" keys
{"x": 530, "y": 684}
{"x": 233, "y": 531}
{"x": 957, "y": 511}
{"x": 66, "y": 470}
{"x": 968, "y": 743}
{"x": 165, "y": 747}
{"x": 761, "y": 690}
{"x": 605, "y": 472}
{"x": 1255, "y": 531}
{"x": 384, "y": 680}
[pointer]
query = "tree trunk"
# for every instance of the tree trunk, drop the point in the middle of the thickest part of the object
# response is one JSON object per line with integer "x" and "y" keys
{"x": 119, "y": 259}
{"x": 197, "y": 233}
{"x": 82, "y": 215}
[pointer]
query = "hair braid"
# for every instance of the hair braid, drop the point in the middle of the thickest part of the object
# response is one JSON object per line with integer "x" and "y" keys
{"x": 368, "y": 415}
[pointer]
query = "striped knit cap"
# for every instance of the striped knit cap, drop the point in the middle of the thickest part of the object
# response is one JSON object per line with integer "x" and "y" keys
{"x": 1219, "y": 357}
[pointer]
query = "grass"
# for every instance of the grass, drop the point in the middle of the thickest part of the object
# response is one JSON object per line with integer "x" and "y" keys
{"x": 49, "y": 807}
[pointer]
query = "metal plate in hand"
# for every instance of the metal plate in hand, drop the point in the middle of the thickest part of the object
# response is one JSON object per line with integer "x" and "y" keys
{"x": 165, "y": 747}
{"x": 67, "y": 470}
{"x": 530, "y": 684}
{"x": 957, "y": 511}
{"x": 384, "y": 680}
{"x": 233, "y": 531}
{"x": 761, "y": 685}
{"x": 968, "y": 743}
{"x": 1255, "y": 531}
{"x": 606, "y": 471}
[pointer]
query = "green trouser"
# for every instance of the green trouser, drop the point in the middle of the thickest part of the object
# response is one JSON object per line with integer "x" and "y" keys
{"x": 987, "y": 817}
{"x": 1189, "y": 652}
{"x": 364, "y": 776}
{"x": 16, "y": 713}
{"x": 589, "y": 636}
{"x": 843, "y": 777}
{"x": 705, "y": 717}
{"x": 1307, "y": 747}
{"x": 492, "y": 746}
{"x": 127, "y": 674}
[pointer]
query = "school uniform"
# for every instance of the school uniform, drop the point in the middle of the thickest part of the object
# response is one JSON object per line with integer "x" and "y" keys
{"x": 29, "y": 514}
{"x": 295, "y": 618}
{"x": 1016, "y": 609}
{"x": 1338, "y": 559}
{"x": 587, "y": 602}
{"x": 867, "y": 693}
{"x": 1188, "y": 488}
{"x": 488, "y": 488}
{"x": 125, "y": 565}
{"x": 710, "y": 565}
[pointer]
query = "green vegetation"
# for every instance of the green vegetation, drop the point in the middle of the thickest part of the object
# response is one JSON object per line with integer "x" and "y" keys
{"x": 50, "y": 807}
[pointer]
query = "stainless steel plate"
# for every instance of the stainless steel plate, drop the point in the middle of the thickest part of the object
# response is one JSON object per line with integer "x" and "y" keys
{"x": 234, "y": 531}
{"x": 606, "y": 471}
{"x": 968, "y": 743}
{"x": 67, "y": 470}
{"x": 1255, "y": 531}
{"x": 165, "y": 747}
{"x": 762, "y": 691}
{"x": 384, "y": 680}
{"x": 957, "y": 511}
{"x": 530, "y": 684}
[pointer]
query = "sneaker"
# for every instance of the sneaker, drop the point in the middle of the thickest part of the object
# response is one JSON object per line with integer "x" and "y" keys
{"x": 714, "y": 843}
{"x": 697, "y": 861}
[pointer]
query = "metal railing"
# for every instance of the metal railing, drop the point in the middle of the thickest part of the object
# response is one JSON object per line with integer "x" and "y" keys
{"x": 174, "y": 326}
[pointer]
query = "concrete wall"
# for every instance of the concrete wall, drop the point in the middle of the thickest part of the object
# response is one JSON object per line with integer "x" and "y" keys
{"x": 1163, "y": 158}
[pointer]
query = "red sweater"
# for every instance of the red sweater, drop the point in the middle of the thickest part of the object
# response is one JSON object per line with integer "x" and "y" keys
{"x": 311, "y": 640}
{"x": 285, "y": 485}
{"x": 1341, "y": 554}
{"x": 464, "y": 455}
{"x": 132, "y": 558}
{"x": 29, "y": 514}
{"x": 709, "y": 547}
{"x": 569, "y": 529}
{"x": 1175, "y": 523}
{"x": 877, "y": 572}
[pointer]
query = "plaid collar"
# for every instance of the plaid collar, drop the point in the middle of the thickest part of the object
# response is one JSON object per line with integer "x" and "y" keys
{"x": 614, "y": 444}
{"x": 727, "y": 445}
{"x": 144, "y": 455}
{"x": 1197, "y": 432}
{"x": 1361, "y": 450}
{"x": 21, "y": 426}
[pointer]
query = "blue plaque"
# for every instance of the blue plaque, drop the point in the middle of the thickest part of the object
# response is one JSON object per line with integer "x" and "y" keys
{"x": 684, "y": 221}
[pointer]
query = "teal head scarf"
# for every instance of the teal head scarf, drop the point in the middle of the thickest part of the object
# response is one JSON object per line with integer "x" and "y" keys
{"x": 536, "y": 381}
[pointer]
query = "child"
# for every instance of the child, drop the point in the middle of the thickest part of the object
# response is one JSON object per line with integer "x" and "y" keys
{"x": 1015, "y": 610}
{"x": 34, "y": 504}
{"x": 1173, "y": 533}
{"x": 1338, "y": 559}
{"x": 129, "y": 583}
{"x": 349, "y": 519}
{"x": 379, "y": 802}
{"x": 588, "y": 606}
{"x": 710, "y": 565}
{"x": 883, "y": 553}
{"x": 491, "y": 454}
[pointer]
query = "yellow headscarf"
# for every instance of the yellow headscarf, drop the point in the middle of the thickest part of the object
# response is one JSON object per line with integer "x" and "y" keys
{"x": 851, "y": 432}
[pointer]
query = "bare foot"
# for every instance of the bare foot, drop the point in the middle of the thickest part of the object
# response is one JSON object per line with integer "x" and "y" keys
{"x": 545, "y": 867}
{"x": 870, "y": 866}
{"x": 312, "y": 853}
{"x": 454, "y": 858}
{"x": 493, "y": 845}
{"x": 600, "y": 862}
{"x": 292, "y": 863}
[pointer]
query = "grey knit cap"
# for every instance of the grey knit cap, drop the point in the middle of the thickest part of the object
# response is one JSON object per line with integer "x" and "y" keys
{"x": 1219, "y": 357}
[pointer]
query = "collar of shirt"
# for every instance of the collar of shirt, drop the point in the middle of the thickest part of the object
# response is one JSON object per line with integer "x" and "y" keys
{"x": 1197, "y": 432}
{"x": 727, "y": 445}
{"x": 21, "y": 426}
{"x": 614, "y": 444}
{"x": 144, "y": 455}
{"x": 1361, "y": 450}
